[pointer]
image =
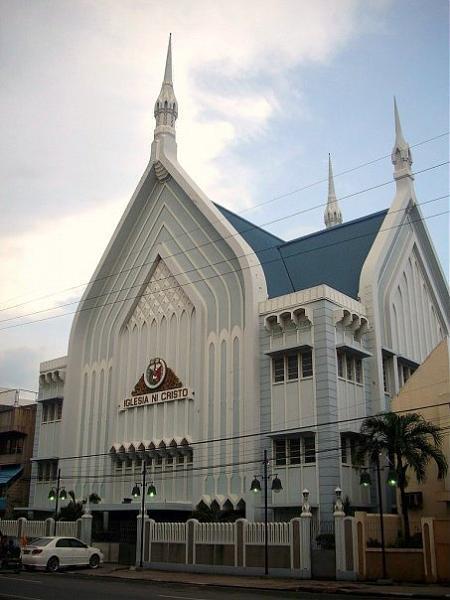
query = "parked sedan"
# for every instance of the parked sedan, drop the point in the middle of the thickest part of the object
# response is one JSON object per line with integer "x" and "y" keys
{"x": 51, "y": 553}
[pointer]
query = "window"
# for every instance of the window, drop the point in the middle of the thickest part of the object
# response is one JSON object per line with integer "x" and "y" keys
{"x": 53, "y": 470}
{"x": 64, "y": 543}
{"x": 349, "y": 368}
{"x": 294, "y": 451}
{"x": 292, "y": 366}
{"x": 309, "y": 445}
{"x": 358, "y": 370}
{"x": 169, "y": 461}
{"x": 280, "y": 452}
{"x": 59, "y": 411}
{"x": 343, "y": 450}
{"x": 307, "y": 364}
{"x": 414, "y": 500}
{"x": 278, "y": 369}
{"x": 128, "y": 463}
{"x": 340, "y": 363}
{"x": 51, "y": 410}
{"x": 119, "y": 465}
{"x": 76, "y": 543}
{"x": 180, "y": 459}
{"x": 386, "y": 375}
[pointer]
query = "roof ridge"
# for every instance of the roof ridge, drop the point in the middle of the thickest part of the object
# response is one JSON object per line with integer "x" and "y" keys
{"x": 220, "y": 207}
{"x": 335, "y": 227}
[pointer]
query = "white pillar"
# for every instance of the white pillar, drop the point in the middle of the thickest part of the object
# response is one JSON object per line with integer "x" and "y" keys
{"x": 86, "y": 528}
{"x": 305, "y": 537}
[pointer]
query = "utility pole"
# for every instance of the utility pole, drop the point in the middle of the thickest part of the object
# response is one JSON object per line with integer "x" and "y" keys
{"x": 58, "y": 482}
{"x": 380, "y": 502}
{"x": 144, "y": 473}
{"x": 266, "y": 537}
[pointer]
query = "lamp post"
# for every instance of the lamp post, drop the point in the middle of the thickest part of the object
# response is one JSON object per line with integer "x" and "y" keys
{"x": 136, "y": 492}
{"x": 365, "y": 481}
{"x": 256, "y": 487}
{"x": 58, "y": 494}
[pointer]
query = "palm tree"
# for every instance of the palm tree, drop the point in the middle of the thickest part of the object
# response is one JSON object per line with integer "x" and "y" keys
{"x": 410, "y": 442}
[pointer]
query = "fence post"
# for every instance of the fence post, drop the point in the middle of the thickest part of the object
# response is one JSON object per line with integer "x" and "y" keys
{"x": 339, "y": 535}
{"x": 239, "y": 555}
{"x": 50, "y": 526}
{"x": 305, "y": 537}
{"x": 138, "y": 536}
{"x": 190, "y": 541}
{"x": 86, "y": 528}
{"x": 21, "y": 524}
{"x": 429, "y": 549}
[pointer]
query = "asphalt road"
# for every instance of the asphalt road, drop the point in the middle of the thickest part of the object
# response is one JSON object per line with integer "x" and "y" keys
{"x": 67, "y": 586}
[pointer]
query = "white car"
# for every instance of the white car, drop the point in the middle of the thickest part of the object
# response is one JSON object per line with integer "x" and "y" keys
{"x": 51, "y": 553}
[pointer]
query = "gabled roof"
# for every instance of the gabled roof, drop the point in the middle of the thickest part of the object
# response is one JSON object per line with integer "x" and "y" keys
{"x": 333, "y": 256}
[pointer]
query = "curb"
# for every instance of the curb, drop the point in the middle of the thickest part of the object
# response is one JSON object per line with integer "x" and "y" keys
{"x": 297, "y": 588}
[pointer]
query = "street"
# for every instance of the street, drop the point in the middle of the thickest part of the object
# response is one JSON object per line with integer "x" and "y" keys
{"x": 66, "y": 586}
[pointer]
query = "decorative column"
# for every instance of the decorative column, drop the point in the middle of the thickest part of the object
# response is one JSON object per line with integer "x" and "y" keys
{"x": 339, "y": 535}
{"x": 138, "y": 536}
{"x": 305, "y": 537}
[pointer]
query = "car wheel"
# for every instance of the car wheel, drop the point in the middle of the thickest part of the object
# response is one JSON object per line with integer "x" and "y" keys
{"x": 53, "y": 564}
{"x": 94, "y": 561}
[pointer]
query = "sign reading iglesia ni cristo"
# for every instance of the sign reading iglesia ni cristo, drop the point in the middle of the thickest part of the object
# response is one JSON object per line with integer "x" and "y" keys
{"x": 158, "y": 384}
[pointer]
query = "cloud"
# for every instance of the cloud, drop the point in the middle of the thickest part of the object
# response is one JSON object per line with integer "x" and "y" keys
{"x": 19, "y": 367}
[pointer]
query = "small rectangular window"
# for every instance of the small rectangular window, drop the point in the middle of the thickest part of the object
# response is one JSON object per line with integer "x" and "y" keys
{"x": 307, "y": 364}
{"x": 310, "y": 449}
{"x": 59, "y": 411}
{"x": 278, "y": 369}
{"x": 292, "y": 366}
{"x": 343, "y": 450}
{"x": 340, "y": 363}
{"x": 40, "y": 472}
{"x": 386, "y": 375}
{"x": 180, "y": 459}
{"x": 54, "y": 471}
{"x": 280, "y": 452}
{"x": 349, "y": 367}
{"x": 128, "y": 463}
{"x": 118, "y": 465}
{"x": 358, "y": 370}
{"x": 294, "y": 451}
{"x": 44, "y": 413}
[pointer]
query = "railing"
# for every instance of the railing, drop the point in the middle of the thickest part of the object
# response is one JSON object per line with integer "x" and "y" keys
{"x": 215, "y": 533}
{"x": 9, "y": 527}
{"x": 67, "y": 528}
{"x": 34, "y": 529}
{"x": 279, "y": 534}
{"x": 169, "y": 532}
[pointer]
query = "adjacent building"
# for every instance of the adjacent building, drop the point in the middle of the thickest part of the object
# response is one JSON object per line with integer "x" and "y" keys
{"x": 203, "y": 339}
{"x": 17, "y": 423}
{"x": 428, "y": 392}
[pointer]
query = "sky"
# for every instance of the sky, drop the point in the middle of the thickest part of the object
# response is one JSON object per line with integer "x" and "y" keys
{"x": 266, "y": 89}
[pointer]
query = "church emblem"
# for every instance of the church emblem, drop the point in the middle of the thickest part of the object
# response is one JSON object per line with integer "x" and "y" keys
{"x": 155, "y": 373}
{"x": 158, "y": 383}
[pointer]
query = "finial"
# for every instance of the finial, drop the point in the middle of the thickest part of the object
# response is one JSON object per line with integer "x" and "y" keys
{"x": 168, "y": 69}
{"x": 333, "y": 215}
{"x": 401, "y": 153}
{"x": 166, "y": 105}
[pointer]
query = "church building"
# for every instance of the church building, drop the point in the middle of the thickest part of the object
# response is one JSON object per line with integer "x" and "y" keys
{"x": 203, "y": 340}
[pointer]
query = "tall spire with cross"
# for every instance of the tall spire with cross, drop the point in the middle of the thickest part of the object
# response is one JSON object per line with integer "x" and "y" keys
{"x": 333, "y": 215}
{"x": 401, "y": 153}
{"x": 166, "y": 105}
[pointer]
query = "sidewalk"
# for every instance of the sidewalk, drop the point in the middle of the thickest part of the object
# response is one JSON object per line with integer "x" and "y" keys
{"x": 287, "y": 585}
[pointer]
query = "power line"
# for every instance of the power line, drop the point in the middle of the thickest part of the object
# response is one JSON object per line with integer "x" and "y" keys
{"x": 265, "y": 433}
{"x": 231, "y": 272}
{"x": 219, "y": 239}
{"x": 123, "y": 289}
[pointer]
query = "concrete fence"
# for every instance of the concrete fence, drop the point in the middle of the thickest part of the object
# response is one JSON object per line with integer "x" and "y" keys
{"x": 25, "y": 529}
{"x": 227, "y": 547}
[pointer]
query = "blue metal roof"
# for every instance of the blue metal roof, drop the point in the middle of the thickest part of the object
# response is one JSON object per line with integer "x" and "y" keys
{"x": 333, "y": 256}
{"x": 7, "y": 473}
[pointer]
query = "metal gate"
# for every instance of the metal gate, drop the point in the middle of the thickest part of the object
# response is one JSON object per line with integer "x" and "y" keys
{"x": 323, "y": 550}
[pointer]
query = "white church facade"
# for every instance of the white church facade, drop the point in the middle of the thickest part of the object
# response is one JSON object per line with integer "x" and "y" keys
{"x": 203, "y": 340}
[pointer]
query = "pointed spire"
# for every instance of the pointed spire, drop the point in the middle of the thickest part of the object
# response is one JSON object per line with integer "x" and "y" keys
{"x": 401, "y": 153}
{"x": 166, "y": 105}
{"x": 168, "y": 69}
{"x": 333, "y": 215}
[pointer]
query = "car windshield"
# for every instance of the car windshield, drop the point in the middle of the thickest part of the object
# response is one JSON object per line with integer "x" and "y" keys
{"x": 40, "y": 541}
